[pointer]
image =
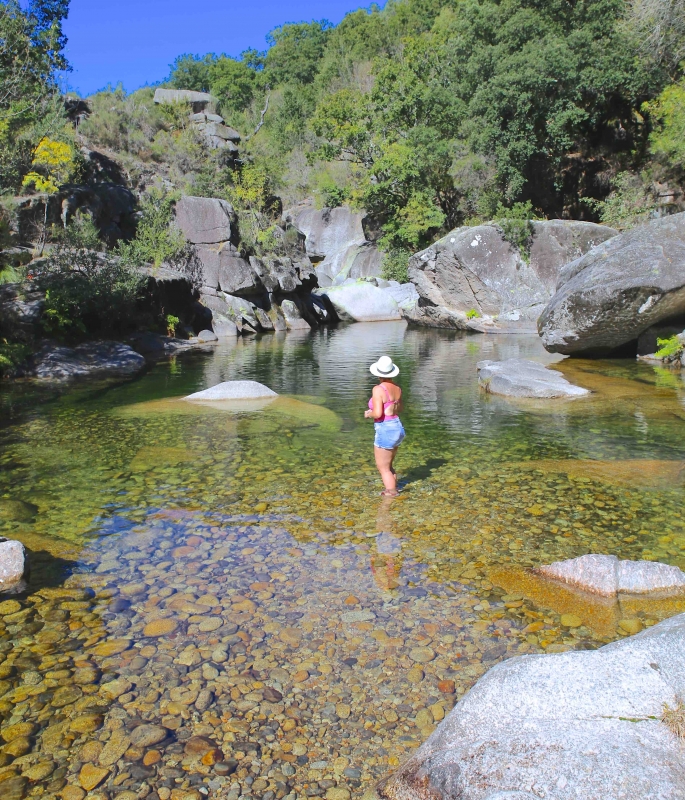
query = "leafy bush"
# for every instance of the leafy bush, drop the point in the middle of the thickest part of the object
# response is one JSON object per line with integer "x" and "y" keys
{"x": 630, "y": 203}
{"x": 669, "y": 349}
{"x": 155, "y": 242}
{"x": 87, "y": 292}
{"x": 472, "y": 314}
{"x": 172, "y": 323}
{"x": 395, "y": 266}
{"x": 517, "y": 227}
{"x": 11, "y": 355}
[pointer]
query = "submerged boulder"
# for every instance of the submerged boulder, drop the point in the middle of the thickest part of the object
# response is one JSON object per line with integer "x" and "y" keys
{"x": 569, "y": 725}
{"x": 101, "y": 360}
{"x": 519, "y": 377}
{"x": 361, "y": 301}
{"x": 618, "y": 290}
{"x": 607, "y": 576}
{"x": 234, "y": 390}
{"x": 475, "y": 269}
{"x": 13, "y": 564}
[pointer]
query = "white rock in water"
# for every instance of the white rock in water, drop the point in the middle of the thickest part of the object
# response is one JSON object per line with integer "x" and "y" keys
{"x": 363, "y": 302}
{"x": 572, "y": 725}
{"x": 12, "y": 563}
{"x": 607, "y": 576}
{"x": 234, "y": 390}
{"x": 519, "y": 377}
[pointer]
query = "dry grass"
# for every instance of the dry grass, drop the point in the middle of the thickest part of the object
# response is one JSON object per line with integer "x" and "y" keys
{"x": 674, "y": 718}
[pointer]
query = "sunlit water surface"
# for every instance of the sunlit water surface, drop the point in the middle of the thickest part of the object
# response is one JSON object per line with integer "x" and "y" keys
{"x": 222, "y": 603}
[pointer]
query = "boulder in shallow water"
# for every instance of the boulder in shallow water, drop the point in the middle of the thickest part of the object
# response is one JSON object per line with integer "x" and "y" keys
{"x": 519, "y": 377}
{"x": 362, "y": 302}
{"x": 618, "y": 290}
{"x": 234, "y": 390}
{"x": 207, "y": 336}
{"x": 561, "y": 726}
{"x": 607, "y": 576}
{"x": 100, "y": 360}
{"x": 13, "y": 564}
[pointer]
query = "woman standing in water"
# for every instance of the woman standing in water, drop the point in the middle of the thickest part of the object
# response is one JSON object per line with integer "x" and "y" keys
{"x": 384, "y": 406}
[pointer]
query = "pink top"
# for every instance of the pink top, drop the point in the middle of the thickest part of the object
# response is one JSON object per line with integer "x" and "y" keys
{"x": 391, "y": 402}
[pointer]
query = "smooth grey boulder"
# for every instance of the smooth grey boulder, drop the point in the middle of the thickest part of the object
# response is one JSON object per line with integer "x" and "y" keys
{"x": 362, "y": 302}
{"x": 477, "y": 269}
{"x": 404, "y": 294}
{"x": 234, "y": 390}
{"x": 335, "y": 239}
{"x": 199, "y": 101}
{"x": 293, "y": 318}
{"x": 561, "y": 726}
{"x": 618, "y": 290}
{"x": 607, "y": 576}
{"x": 13, "y": 564}
{"x": 20, "y": 312}
{"x": 99, "y": 360}
{"x": 226, "y": 270}
{"x": 207, "y": 336}
{"x": 204, "y": 220}
{"x": 519, "y": 377}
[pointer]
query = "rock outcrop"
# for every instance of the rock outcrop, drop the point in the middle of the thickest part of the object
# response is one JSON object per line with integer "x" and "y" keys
{"x": 608, "y": 577}
{"x": 361, "y": 301}
{"x": 336, "y": 242}
{"x": 21, "y": 310}
{"x": 13, "y": 565}
{"x": 477, "y": 270}
{"x": 609, "y": 297}
{"x": 519, "y": 377}
{"x": 99, "y": 360}
{"x": 564, "y": 726}
{"x": 234, "y": 390}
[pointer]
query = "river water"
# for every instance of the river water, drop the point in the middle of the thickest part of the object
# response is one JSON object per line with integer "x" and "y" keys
{"x": 221, "y": 603}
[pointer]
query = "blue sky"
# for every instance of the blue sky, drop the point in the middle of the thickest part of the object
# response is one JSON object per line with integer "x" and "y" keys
{"x": 134, "y": 41}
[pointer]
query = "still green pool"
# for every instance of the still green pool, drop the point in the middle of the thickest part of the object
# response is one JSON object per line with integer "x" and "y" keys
{"x": 222, "y": 604}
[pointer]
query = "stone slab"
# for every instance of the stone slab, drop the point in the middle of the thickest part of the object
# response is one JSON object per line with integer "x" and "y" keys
{"x": 519, "y": 377}
{"x": 234, "y": 390}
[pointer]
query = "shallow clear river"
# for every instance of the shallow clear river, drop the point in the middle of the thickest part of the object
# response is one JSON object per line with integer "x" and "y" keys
{"x": 222, "y": 604}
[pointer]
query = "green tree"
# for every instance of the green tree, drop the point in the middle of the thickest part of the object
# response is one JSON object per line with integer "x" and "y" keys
{"x": 667, "y": 140}
{"x": 192, "y": 72}
{"x": 233, "y": 83}
{"x": 295, "y": 51}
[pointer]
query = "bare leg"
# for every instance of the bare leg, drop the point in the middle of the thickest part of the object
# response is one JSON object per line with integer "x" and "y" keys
{"x": 384, "y": 459}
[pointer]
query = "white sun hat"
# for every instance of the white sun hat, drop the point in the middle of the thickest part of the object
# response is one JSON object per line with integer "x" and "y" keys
{"x": 384, "y": 368}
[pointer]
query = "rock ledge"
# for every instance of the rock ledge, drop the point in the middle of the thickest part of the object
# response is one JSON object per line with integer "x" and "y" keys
{"x": 519, "y": 377}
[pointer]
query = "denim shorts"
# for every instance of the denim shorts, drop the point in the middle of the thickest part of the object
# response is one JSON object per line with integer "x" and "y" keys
{"x": 389, "y": 434}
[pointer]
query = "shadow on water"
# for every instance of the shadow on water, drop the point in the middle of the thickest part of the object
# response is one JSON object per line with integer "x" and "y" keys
{"x": 46, "y": 571}
{"x": 422, "y": 471}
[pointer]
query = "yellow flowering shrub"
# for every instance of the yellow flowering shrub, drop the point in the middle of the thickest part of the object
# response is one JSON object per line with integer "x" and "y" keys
{"x": 53, "y": 163}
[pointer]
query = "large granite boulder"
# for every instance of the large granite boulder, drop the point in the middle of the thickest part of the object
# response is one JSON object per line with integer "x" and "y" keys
{"x": 205, "y": 220}
{"x": 224, "y": 269}
{"x": 98, "y": 360}
{"x": 607, "y": 576}
{"x": 199, "y": 101}
{"x": 21, "y": 310}
{"x": 561, "y": 726}
{"x": 477, "y": 270}
{"x": 520, "y": 377}
{"x": 336, "y": 240}
{"x": 234, "y": 390}
{"x": 360, "y": 301}
{"x": 13, "y": 565}
{"x": 618, "y": 290}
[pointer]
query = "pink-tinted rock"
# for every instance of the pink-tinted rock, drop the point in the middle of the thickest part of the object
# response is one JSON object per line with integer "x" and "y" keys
{"x": 640, "y": 577}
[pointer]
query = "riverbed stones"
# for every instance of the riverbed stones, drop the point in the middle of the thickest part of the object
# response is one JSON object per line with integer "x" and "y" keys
{"x": 13, "y": 566}
{"x": 611, "y": 295}
{"x": 567, "y": 716}
{"x": 607, "y": 576}
{"x": 160, "y": 627}
{"x": 234, "y": 390}
{"x": 91, "y": 776}
{"x": 520, "y": 377}
{"x": 148, "y": 735}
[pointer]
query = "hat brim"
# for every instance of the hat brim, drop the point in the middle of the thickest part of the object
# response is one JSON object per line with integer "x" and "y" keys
{"x": 373, "y": 369}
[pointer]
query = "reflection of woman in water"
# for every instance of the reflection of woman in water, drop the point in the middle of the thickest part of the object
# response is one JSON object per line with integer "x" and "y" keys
{"x": 384, "y": 406}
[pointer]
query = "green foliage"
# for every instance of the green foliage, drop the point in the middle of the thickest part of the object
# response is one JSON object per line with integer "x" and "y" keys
{"x": 295, "y": 52}
{"x": 156, "y": 242}
{"x": 473, "y": 314}
{"x": 667, "y": 140}
{"x": 669, "y": 349}
{"x": 87, "y": 292}
{"x": 192, "y": 72}
{"x": 233, "y": 83}
{"x": 31, "y": 45}
{"x": 11, "y": 356}
{"x": 172, "y": 323}
{"x": 517, "y": 227}
{"x": 395, "y": 266}
{"x": 630, "y": 203}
